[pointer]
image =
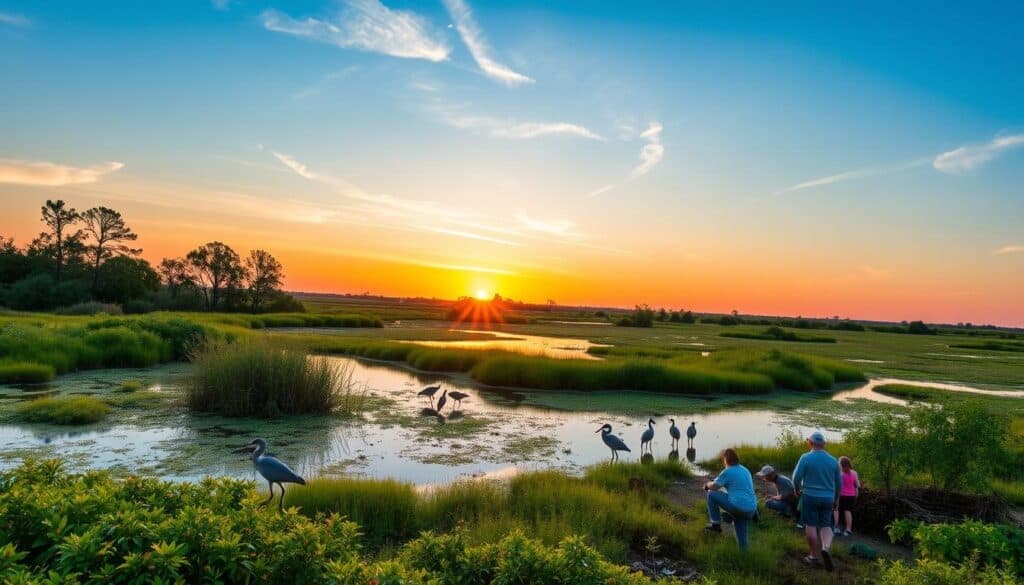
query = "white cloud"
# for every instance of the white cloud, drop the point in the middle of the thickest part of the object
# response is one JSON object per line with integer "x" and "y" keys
{"x": 1011, "y": 249}
{"x": 367, "y": 25}
{"x": 471, "y": 34}
{"x": 652, "y": 152}
{"x": 15, "y": 19}
{"x": 453, "y": 116}
{"x": 299, "y": 168}
{"x": 968, "y": 158}
{"x": 469, "y": 235}
{"x": 553, "y": 227}
{"x": 601, "y": 191}
{"x": 855, "y": 174}
{"x": 47, "y": 174}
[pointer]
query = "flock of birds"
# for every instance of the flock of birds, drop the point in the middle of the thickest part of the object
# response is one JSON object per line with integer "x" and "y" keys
{"x": 277, "y": 472}
{"x": 616, "y": 444}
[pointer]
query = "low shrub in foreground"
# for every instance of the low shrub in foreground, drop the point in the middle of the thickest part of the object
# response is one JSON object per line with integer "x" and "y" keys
{"x": 64, "y": 410}
{"x": 254, "y": 377}
{"x": 997, "y": 545}
{"x": 62, "y": 528}
{"x": 25, "y": 373}
{"x": 929, "y": 572}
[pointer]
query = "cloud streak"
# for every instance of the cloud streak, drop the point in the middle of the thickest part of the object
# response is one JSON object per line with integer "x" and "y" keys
{"x": 366, "y": 25}
{"x": 1011, "y": 249}
{"x": 856, "y": 174}
{"x": 652, "y": 152}
{"x": 48, "y": 174}
{"x": 475, "y": 41}
{"x": 510, "y": 129}
{"x": 968, "y": 158}
{"x": 15, "y": 19}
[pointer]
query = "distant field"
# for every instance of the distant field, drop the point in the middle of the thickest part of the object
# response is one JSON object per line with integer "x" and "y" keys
{"x": 911, "y": 357}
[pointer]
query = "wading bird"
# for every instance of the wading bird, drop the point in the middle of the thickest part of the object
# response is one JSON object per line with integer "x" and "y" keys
{"x": 271, "y": 468}
{"x": 614, "y": 443}
{"x": 429, "y": 392}
{"x": 691, "y": 434}
{"x": 674, "y": 431}
{"x": 648, "y": 436}
{"x": 441, "y": 401}
{"x": 457, "y": 397}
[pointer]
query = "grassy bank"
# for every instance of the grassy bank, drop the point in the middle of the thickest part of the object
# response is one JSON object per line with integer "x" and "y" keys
{"x": 778, "y": 334}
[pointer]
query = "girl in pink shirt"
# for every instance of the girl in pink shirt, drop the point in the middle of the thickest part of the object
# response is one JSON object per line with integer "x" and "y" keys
{"x": 847, "y": 495}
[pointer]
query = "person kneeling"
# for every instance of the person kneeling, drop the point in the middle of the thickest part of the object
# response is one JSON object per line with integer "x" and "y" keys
{"x": 784, "y": 501}
{"x": 737, "y": 499}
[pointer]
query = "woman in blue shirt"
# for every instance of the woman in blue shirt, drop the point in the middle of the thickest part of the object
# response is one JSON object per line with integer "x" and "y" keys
{"x": 733, "y": 492}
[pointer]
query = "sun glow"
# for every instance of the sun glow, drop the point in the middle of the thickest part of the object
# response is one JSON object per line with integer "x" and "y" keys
{"x": 481, "y": 294}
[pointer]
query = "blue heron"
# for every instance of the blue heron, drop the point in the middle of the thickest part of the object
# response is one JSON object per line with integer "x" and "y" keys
{"x": 458, "y": 397}
{"x": 691, "y": 434}
{"x": 441, "y": 401}
{"x": 271, "y": 468}
{"x": 648, "y": 436}
{"x": 674, "y": 431}
{"x": 614, "y": 443}
{"x": 429, "y": 392}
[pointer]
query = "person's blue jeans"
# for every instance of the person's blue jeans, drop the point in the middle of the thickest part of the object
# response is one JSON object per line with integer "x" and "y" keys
{"x": 719, "y": 501}
{"x": 786, "y": 506}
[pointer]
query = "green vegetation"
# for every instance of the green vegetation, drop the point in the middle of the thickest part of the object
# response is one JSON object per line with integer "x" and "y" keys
{"x": 993, "y": 545}
{"x": 56, "y": 527}
{"x": 991, "y": 345}
{"x": 928, "y": 572}
{"x": 65, "y": 410}
{"x": 130, "y": 386}
{"x": 13, "y": 372}
{"x": 255, "y": 377}
{"x": 779, "y": 334}
{"x": 783, "y": 455}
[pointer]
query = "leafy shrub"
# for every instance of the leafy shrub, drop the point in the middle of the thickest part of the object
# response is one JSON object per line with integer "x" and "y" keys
{"x": 258, "y": 378}
{"x": 996, "y": 545}
{"x": 25, "y": 373}
{"x": 929, "y": 572}
{"x": 139, "y": 306}
{"x": 56, "y": 527}
{"x": 66, "y": 410}
{"x": 90, "y": 308}
{"x": 886, "y": 448}
{"x": 959, "y": 444}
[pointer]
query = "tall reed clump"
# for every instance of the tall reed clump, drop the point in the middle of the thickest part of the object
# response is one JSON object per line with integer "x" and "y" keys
{"x": 254, "y": 377}
{"x": 25, "y": 373}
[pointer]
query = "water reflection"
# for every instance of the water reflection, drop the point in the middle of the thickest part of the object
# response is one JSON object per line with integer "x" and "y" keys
{"x": 538, "y": 345}
{"x": 691, "y": 455}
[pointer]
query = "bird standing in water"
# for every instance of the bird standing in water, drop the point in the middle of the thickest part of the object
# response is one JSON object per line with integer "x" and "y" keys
{"x": 674, "y": 432}
{"x": 457, "y": 397}
{"x": 614, "y": 443}
{"x": 691, "y": 434}
{"x": 271, "y": 468}
{"x": 441, "y": 401}
{"x": 648, "y": 436}
{"x": 429, "y": 392}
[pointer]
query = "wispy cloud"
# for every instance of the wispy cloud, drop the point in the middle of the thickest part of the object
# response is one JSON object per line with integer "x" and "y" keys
{"x": 475, "y": 41}
{"x": 469, "y": 235}
{"x": 553, "y": 227}
{"x": 1011, "y": 249}
{"x": 324, "y": 81}
{"x": 299, "y": 168}
{"x": 367, "y": 25}
{"x": 958, "y": 160}
{"x": 652, "y": 152}
{"x": 15, "y": 19}
{"x": 968, "y": 158}
{"x": 48, "y": 174}
{"x": 600, "y": 191}
{"x": 454, "y": 116}
{"x": 856, "y": 174}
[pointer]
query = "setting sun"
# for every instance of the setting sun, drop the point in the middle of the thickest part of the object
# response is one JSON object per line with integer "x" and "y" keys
{"x": 481, "y": 294}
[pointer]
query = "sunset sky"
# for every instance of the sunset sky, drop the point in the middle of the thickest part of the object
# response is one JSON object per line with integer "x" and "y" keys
{"x": 818, "y": 159}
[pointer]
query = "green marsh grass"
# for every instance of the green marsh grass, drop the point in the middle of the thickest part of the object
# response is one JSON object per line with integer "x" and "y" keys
{"x": 991, "y": 345}
{"x": 779, "y": 334}
{"x": 12, "y": 372}
{"x": 256, "y": 377}
{"x": 129, "y": 386}
{"x": 63, "y": 410}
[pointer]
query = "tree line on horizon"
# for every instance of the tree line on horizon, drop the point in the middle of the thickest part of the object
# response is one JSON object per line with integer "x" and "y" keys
{"x": 83, "y": 259}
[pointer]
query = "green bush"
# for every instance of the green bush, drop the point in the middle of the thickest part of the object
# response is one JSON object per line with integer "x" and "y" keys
{"x": 258, "y": 378}
{"x": 61, "y": 528}
{"x": 997, "y": 545}
{"x": 65, "y": 410}
{"x": 928, "y": 572}
{"x": 959, "y": 444}
{"x": 25, "y": 373}
{"x": 776, "y": 333}
{"x": 90, "y": 308}
{"x": 886, "y": 447}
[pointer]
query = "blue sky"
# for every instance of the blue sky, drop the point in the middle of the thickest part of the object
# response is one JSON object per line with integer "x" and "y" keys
{"x": 800, "y": 158}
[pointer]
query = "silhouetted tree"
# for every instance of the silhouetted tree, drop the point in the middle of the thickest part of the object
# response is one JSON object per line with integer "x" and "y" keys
{"x": 59, "y": 240}
{"x": 264, "y": 274}
{"x": 175, "y": 274}
{"x": 109, "y": 236}
{"x": 216, "y": 269}
{"x": 125, "y": 278}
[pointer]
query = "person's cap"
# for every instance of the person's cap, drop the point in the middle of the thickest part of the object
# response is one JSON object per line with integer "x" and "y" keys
{"x": 816, "y": 438}
{"x": 765, "y": 471}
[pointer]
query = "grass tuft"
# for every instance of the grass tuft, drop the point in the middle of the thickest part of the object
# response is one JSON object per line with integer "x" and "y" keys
{"x": 25, "y": 373}
{"x": 65, "y": 410}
